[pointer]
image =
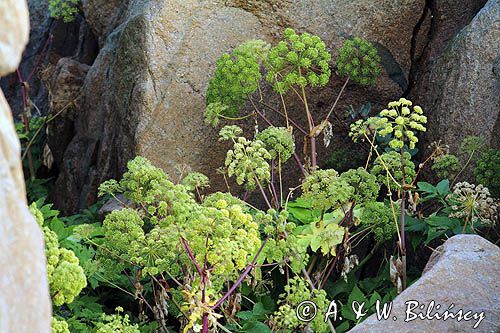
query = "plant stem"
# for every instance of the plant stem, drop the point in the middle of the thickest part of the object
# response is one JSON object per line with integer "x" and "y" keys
{"x": 337, "y": 99}
{"x": 242, "y": 276}
{"x": 312, "y": 137}
{"x": 403, "y": 203}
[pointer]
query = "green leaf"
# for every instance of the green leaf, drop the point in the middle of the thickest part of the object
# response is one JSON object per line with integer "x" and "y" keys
{"x": 443, "y": 187}
{"x": 426, "y": 187}
{"x": 256, "y": 327}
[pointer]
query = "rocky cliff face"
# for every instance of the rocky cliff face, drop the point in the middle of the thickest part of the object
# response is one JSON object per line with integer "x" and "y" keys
{"x": 24, "y": 295}
{"x": 144, "y": 92}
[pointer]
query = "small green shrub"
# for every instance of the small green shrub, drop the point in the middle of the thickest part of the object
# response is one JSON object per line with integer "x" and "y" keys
{"x": 487, "y": 171}
{"x": 446, "y": 166}
{"x": 64, "y": 9}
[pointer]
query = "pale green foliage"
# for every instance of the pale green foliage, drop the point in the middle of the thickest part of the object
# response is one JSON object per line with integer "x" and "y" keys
{"x": 195, "y": 180}
{"x": 359, "y": 61}
{"x": 279, "y": 247}
{"x": 326, "y": 189}
{"x": 378, "y": 216}
{"x": 247, "y": 161}
{"x": 59, "y": 326}
{"x": 63, "y": 9}
{"x": 236, "y": 76}
{"x": 299, "y": 59}
{"x": 116, "y": 323}
{"x": 365, "y": 185}
{"x": 296, "y": 291}
{"x": 325, "y": 237}
{"x": 279, "y": 142}
{"x": 446, "y": 166}
{"x": 150, "y": 237}
{"x": 392, "y": 161}
{"x": 229, "y": 132}
{"x": 64, "y": 273}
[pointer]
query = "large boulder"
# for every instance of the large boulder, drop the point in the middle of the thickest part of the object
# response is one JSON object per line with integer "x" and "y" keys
{"x": 24, "y": 297}
{"x": 459, "y": 88}
{"x": 463, "y": 272}
{"x": 145, "y": 93}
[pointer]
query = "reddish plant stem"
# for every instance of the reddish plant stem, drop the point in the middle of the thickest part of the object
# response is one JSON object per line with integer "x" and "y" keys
{"x": 242, "y": 276}
{"x": 191, "y": 256}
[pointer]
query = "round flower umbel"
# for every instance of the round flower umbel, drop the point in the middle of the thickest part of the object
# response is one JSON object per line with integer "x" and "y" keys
{"x": 279, "y": 142}
{"x": 391, "y": 161}
{"x": 403, "y": 122}
{"x": 326, "y": 189}
{"x": 247, "y": 161}
{"x": 359, "y": 60}
{"x": 298, "y": 60}
{"x": 236, "y": 76}
{"x": 473, "y": 204}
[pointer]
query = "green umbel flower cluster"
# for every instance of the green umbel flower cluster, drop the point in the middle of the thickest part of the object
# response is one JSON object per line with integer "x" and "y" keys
{"x": 402, "y": 121}
{"x": 236, "y": 76}
{"x": 229, "y": 132}
{"x": 446, "y": 166}
{"x": 359, "y": 60}
{"x": 296, "y": 291}
{"x": 195, "y": 180}
{"x": 378, "y": 216}
{"x": 471, "y": 144}
{"x": 279, "y": 142}
{"x": 283, "y": 245}
{"x": 59, "y": 326}
{"x": 298, "y": 60}
{"x": 365, "y": 185}
{"x": 150, "y": 236}
{"x": 63, "y": 9}
{"x": 326, "y": 189}
{"x": 247, "y": 161}
{"x": 116, "y": 323}
{"x": 392, "y": 161}
{"x": 65, "y": 275}
{"x": 487, "y": 171}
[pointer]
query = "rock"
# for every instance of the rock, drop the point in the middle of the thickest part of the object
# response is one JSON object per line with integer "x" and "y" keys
{"x": 24, "y": 297}
{"x": 465, "y": 272}
{"x": 459, "y": 90}
{"x": 66, "y": 85}
{"x": 144, "y": 94}
{"x": 13, "y": 35}
{"x": 114, "y": 204}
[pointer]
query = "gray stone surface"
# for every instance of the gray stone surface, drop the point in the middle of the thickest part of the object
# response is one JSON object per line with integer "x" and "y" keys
{"x": 24, "y": 294}
{"x": 459, "y": 91}
{"x": 464, "y": 271}
{"x": 144, "y": 94}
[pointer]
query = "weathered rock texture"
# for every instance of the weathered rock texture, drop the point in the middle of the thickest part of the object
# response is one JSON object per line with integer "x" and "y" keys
{"x": 144, "y": 94}
{"x": 459, "y": 89}
{"x": 24, "y": 295}
{"x": 464, "y": 271}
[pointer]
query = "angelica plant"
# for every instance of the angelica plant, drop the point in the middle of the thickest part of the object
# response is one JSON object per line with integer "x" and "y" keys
{"x": 65, "y": 275}
{"x": 64, "y": 9}
{"x": 217, "y": 237}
